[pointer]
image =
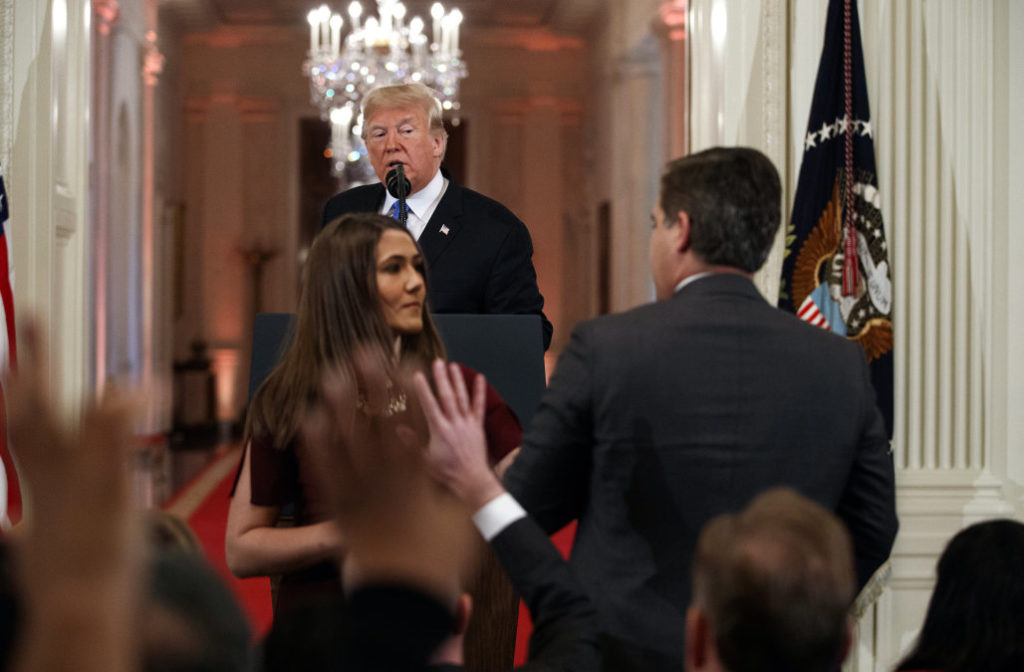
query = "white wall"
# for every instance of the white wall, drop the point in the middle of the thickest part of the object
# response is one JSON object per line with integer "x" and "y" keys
{"x": 44, "y": 58}
{"x": 1008, "y": 176}
{"x": 127, "y": 328}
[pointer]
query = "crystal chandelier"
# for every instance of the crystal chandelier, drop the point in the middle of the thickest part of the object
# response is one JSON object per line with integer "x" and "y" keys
{"x": 377, "y": 52}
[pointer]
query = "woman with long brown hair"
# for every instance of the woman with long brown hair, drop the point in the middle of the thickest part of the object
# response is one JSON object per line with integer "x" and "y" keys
{"x": 363, "y": 286}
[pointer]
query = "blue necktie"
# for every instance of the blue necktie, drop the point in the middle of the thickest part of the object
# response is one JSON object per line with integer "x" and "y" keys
{"x": 396, "y": 213}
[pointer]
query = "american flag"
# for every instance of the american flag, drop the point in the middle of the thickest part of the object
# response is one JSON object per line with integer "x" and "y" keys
{"x": 10, "y": 491}
{"x": 835, "y": 272}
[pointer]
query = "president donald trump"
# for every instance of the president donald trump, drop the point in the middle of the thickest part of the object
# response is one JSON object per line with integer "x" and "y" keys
{"x": 479, "y": 255}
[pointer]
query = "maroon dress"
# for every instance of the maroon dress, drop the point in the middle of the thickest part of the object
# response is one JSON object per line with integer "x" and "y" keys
{"x": 279, "y": 479}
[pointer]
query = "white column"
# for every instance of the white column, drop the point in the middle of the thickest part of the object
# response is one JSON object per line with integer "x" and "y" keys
{"x": 638, "y": 154}
{"x": 46, "y": 83}
{"x": 106, "y": 17}
{"x": 739, "y": 83}
{"x": 157, "y": 399}
{"x": 941, "y": 123}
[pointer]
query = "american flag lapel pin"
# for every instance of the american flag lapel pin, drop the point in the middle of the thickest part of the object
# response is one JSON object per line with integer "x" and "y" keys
{"x": 445, "y": 229}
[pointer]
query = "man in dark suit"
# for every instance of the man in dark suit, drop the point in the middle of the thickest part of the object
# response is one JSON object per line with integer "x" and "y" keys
{"x": 662, "y": 417}
{"x": 478, "y": 253}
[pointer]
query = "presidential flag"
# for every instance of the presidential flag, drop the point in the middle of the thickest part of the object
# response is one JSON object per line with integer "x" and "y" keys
{"x": 10, "y": 491}
{"x": 835, "y": 274}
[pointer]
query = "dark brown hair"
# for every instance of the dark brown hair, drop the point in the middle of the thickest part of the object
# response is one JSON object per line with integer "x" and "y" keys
{"x": 339, "y": 312}
{"x": 733, "y": 197}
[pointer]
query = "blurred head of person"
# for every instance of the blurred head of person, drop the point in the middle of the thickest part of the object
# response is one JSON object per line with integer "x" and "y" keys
{"x": 975, "y": 619}
{"x": 191, "y": 622}
{"x": 772, "y": 588}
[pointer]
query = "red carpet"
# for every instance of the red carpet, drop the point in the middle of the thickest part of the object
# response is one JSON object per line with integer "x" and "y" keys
{"x": 204, "y": 504}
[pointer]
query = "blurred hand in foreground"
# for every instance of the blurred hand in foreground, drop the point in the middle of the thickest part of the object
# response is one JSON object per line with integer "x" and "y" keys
{"x": 398, "y": 523}
{"x": 80, "y": 561}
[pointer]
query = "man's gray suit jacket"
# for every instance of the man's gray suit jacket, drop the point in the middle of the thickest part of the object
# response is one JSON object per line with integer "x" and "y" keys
{"x": 659, "y": 418}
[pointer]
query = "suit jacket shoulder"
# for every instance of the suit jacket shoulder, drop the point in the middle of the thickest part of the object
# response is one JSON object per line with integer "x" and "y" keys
{"x": 366, "y": 198}
{"x": 490, "y": 210}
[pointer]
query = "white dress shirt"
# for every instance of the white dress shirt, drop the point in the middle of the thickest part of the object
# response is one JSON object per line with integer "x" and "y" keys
{"x": 421, "y": 204}
{"x": 693, "y": 278}
{"x": 496, "y": 515}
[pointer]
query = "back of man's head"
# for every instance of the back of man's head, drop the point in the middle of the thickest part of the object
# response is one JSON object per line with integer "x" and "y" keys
{"x": 774, "y": 584}
{"x": 733, "y": 198}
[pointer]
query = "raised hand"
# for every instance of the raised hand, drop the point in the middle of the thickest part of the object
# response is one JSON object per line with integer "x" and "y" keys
{"x": 457, "y": 450}
{"x": 81, "y": 557}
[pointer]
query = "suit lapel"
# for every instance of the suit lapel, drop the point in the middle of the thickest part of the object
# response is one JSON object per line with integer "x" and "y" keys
{"x": 444, "y": 224}
{"x": 373, "y": 200}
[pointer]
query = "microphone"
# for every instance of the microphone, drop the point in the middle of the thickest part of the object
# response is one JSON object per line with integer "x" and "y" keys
{"x": 397, "y": 183}
{"x": 398, "y": 186}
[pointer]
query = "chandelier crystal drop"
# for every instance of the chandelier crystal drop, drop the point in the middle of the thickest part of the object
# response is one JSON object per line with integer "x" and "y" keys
{"x": 377, "y": 51}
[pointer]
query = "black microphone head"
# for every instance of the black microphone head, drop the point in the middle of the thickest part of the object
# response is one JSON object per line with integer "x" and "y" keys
{"x": 397, "y": 183}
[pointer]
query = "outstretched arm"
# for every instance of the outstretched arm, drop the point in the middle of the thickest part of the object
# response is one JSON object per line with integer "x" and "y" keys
{"x": 565, "y": 631}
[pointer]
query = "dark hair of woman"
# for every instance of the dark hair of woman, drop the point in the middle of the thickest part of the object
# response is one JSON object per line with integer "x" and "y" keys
{"x": 339, "y": 311}
{"x": 975, "y": 619}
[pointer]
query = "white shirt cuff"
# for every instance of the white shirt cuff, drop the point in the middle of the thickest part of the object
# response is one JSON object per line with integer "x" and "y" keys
{"x": 497, "y": 514}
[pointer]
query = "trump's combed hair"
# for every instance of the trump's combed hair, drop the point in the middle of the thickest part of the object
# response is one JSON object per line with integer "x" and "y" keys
{"x": 339, "y": 313}
{"x": 733, "y": 197}
{"x": 405, "y": 95}
{"x": 776, "y": 582}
